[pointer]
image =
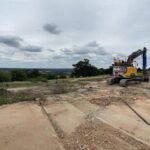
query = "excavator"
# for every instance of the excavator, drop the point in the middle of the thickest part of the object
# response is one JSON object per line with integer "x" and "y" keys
{"x": 125, "y": 72}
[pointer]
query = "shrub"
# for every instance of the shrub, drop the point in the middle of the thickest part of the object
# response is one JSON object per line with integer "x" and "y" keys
{"x": 62, "y": 86}
{"x": 18, "y": 75}
{"x": 42, "y": 79}
{"x": 5, "y": 76}
{"x": 3, "y": 92}
{"x": 33, "y": 73}
{"x": 52, "y": 76}
{"x": 7, "y": 97}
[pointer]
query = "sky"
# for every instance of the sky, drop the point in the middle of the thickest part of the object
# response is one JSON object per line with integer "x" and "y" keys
{"x": 59, "y": 33}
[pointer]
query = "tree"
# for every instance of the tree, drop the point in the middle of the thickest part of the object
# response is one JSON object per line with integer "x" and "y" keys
{"x": 33, "y": 73}
{"x": 84, "y": 69}
{"x": 5, "y": 76}
{"x": 18, "y": 75}
{"x": 101, "y": 71}
{"x": 109, "y": 70}
{"x": 52, "y": 76}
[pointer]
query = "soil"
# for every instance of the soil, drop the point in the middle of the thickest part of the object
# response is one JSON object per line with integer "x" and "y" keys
{"x": 95, "y": 116}
{"x": 118, "y": 126}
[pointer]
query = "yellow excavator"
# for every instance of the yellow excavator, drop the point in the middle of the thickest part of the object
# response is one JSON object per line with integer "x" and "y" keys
{"x": 125, "y": 72}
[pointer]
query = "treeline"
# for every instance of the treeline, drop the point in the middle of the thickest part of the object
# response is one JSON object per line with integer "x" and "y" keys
{"x": 82, "y": 68}
{"x": 29, "y": 75}
{"x": 34, "y": 75}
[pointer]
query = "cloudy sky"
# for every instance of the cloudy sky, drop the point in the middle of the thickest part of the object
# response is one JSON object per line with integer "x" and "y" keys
{"x": 58, "y": 33}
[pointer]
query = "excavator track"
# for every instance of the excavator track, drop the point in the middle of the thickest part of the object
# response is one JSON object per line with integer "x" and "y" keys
{"x": 126, "y": 82}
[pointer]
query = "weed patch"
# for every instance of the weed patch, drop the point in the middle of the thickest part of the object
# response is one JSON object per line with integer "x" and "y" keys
{"x": 7, "y": 97}
{"x": 62, "y": 86}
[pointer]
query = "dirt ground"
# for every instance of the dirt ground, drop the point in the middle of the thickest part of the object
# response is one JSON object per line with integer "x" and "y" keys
{"x": 112, "y": 109}
{"x": 95, "y": 116}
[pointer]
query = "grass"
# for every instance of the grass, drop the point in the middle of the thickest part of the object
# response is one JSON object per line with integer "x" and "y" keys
{"x": 7, "y": 97}
{"x": 62, "y": 86}
{"x": 96, "y": 78}
{"x": 18, "y": 84}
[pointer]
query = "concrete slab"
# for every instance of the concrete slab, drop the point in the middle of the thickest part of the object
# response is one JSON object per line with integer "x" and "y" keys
{"x": 85, "y": 106}
{"x": 66, "y": 116}
{"x": 121, "y": 117}
{"x": 24, "y": 127}
{"x": 104, "y": 131}
{"x": 142, "y": 107}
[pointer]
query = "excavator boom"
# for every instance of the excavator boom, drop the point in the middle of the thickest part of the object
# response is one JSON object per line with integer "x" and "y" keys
{"x": 136, "y": 54}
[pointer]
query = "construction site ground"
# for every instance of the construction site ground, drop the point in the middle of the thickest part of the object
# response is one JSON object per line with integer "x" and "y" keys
{"x": 95, "y": 116}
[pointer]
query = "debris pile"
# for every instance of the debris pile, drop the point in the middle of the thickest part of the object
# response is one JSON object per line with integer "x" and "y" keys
{"x": 105, "y": 101}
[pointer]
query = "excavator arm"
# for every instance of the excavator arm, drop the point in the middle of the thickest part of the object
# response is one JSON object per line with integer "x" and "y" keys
{"x": 137, "y": 54}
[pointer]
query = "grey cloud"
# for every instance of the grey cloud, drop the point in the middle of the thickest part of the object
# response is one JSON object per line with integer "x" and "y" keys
{"x": 16, "y": 42}
{"x": 51, "y": 50}
{"x": 11, "y": 41}
{"x": 52, "y": 28}
{"x": 32, "y": 48}
{"x": 81, "y": 50}
{"x": 119, "y": 55}
{"x": 76, "y": 57}
{"x": 90, "y": 48}
{"x": 93, "y": 44}
{"x": 59, "y": 57}
{"x": 66, "y": 51}
{"x": 101, "y": 51}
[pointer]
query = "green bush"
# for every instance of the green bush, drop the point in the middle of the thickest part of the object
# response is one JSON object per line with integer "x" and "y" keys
{"x": 52, "y": 76}
{"x": 62, "y": 86}
{"x": 42, "y": 79}
{"x": 18, "y": 75}
{"x": 33, "y": 73}
{"x": 7, "y": 97}
{"x": 5, "y": 76}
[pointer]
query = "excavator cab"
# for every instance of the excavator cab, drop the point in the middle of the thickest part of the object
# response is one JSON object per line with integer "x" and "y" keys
{"x": 120, "y": 68}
